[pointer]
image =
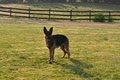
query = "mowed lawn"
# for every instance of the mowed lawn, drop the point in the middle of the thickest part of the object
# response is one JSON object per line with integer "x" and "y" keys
{"x": 94, "y": 47}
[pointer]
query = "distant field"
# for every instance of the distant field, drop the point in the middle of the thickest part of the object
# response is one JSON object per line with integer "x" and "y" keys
{"x": 56, "y": 15}
{"x": 95, "y": 51}
{"x": 73, "y": 6}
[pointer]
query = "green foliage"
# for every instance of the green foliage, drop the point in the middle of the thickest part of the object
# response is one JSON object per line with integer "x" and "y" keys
{"x": 58, "y": 1}
{"x": 99, "y": 18}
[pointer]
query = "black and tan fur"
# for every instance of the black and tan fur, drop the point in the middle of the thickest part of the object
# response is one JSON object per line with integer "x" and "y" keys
{"x": 54, "y": 41}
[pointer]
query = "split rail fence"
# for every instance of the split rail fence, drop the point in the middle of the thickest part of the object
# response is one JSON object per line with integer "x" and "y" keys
{"x": 50, "y": 14}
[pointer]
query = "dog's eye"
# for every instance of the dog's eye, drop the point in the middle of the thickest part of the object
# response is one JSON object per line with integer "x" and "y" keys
{"x": 48, "y": 38}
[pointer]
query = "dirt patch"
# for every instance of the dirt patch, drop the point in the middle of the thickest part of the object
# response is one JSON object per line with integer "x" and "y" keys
{"x": 84, "y": 24}
{"x": 58, "y": 23}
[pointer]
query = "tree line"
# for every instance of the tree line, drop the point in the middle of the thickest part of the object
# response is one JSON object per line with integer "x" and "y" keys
{"x": 61, "y": 1}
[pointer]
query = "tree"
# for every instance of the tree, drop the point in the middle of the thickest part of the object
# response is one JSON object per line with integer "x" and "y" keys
{"x": 96, "y": 1}
{"x": 72, "y": 1}
{"x": 11, "y": 1}
{"x": 83, "y": 0}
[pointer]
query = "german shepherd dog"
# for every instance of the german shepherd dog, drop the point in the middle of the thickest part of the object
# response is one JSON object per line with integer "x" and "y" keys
{"x": 54, "y": 41}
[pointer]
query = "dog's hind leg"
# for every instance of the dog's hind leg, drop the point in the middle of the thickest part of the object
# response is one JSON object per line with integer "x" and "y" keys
{"x": 63, "y": 49}
{"x": 67, "y": 50}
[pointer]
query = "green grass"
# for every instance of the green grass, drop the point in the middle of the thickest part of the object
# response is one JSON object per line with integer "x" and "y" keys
{"x": 95, "y": 51}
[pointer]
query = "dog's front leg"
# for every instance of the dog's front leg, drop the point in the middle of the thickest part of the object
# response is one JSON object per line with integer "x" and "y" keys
{"x": 51, "y": 52}
{"x": 50, "y": 60}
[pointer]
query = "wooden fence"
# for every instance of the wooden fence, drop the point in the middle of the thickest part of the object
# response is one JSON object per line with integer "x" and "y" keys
{"x": 57, "y": 14}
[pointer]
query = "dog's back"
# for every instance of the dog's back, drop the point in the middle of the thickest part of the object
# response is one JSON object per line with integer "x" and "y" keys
{"x": 59, "y": 40}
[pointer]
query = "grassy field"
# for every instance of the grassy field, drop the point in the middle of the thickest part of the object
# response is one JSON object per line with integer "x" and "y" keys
{"x": 95, "y": 51}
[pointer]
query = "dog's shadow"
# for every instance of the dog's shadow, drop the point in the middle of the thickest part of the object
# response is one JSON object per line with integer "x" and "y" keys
{"x": 78, "y": 67}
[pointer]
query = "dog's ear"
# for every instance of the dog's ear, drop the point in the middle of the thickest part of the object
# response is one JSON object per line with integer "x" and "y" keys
{"x": 45, "y": 30}
{"x": 51, "y": 30}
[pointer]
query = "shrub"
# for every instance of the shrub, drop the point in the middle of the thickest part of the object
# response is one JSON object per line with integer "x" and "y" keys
{"x": 110, "y": 19}
{"x": 99, "y": 18}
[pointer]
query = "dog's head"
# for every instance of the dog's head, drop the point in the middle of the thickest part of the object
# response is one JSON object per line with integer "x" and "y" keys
{"x": 48, "y": 32}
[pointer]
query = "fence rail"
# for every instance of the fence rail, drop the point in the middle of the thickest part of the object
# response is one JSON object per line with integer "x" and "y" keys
{"x": 57, "y": 14}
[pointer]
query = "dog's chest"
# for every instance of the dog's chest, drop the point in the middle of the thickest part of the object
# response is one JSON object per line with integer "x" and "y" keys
{"x": 49, "y": 43}
{"x": 53, "y": 43}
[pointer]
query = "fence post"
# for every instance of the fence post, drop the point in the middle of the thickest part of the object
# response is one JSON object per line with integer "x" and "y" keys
{"x": 29, "y": 13}
{"x": 49, "y": 13}
{"x": 10, "y": 11}
{"x": 90, "y": 15}
{"x": 109, "y": 15}
{"x": 71, "y": 15}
